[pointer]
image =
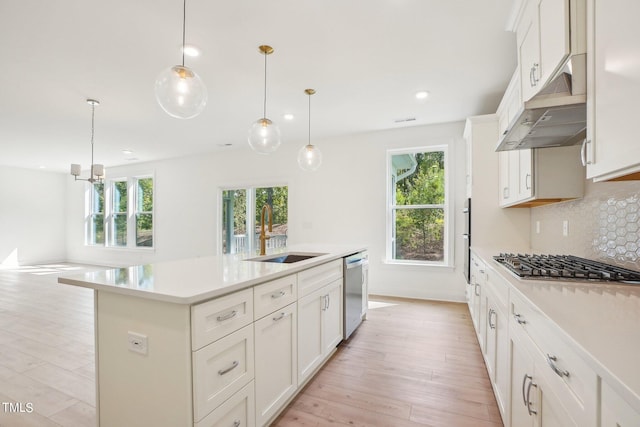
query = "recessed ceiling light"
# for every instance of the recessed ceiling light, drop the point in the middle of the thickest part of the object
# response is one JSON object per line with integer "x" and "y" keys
{"x": 127, "y": 152}
{"x": 288, "y": 116}
{"x": 423, "y": 94}
{"x": 43, "y": 167}
{"x": 191, "y": 50}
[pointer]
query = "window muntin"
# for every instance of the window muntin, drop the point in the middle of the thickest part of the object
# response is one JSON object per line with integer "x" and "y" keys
{"x": 237, "y": 202}
{"x": 418, "y": 223}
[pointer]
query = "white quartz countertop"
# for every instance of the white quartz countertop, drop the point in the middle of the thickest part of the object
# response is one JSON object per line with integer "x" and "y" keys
{"x": 601, "y": 319}
{"x": 195, "y": 280}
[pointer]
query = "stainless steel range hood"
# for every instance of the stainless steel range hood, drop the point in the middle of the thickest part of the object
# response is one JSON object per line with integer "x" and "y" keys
{"x": 556, "y": 116}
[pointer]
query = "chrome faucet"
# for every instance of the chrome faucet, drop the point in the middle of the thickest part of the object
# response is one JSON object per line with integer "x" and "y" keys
{"x": 263, "y": 236}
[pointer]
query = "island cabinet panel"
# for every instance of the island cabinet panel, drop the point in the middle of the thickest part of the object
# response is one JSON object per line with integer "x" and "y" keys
{"x": 221, "y": 369}
{"x": 275, "y": 361}
{"x": 219, "y": 317}
{"x": 154, "y": 387}
{"x": 236, "y": 412}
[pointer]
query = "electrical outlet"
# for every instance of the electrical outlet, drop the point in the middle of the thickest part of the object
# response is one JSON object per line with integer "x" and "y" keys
{"x": 565, "y": 228}
{"x": 137, "y": 342}
{"x": 537, "y": 227}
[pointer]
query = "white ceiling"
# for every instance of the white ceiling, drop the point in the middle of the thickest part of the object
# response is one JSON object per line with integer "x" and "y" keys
{"x": 365, "y": 58}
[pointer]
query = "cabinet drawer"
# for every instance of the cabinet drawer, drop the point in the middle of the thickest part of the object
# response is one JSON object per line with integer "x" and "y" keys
{"x": 220, "y": 369}
{"x": 574, "y": 382}
{"x": 316, "y": 277}
{"x": 219, "y": 317}
{"x": 239, "y": 410}
{"x": 274, "y": 295}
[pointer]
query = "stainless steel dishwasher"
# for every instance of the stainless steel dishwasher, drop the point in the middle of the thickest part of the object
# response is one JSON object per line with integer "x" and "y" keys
{"x": 355, "y": 274}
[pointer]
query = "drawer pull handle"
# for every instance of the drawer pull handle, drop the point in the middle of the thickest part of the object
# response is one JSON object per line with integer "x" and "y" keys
{"x": 275, "y": 319}
{"x": 529, "y": 410}
{"x": 236, "y": 423}
{"x": 278, "y": 295}
{"x": 491, "y": 313}
{"x": 475, "y": 291}
{"x": 519, "y": 319}
{"x": 227, "y": 316}
{"x": 551, "y": 361}
{"x": 233, "y": 366}
{"x": 524, "y": 386}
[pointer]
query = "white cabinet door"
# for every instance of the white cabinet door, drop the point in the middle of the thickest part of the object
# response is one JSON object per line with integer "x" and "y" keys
{"x": 528, "y": 38}
{"x": 613, "y": 89}
{"x": 332, "y": 317}
{"x": 525, "y": 174}
{"x": 523, "y": 402}
{"x": 310, "y": 343}
{"x": 504, "y": 178}
{"x": 275, "y": 362}
{"x": 614, "y": 411}
{"x": 555, "y": 43}
{"x": 319, "y": 327}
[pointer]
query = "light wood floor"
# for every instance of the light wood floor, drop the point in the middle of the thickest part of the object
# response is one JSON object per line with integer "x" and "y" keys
{"x": 412, "y": 363}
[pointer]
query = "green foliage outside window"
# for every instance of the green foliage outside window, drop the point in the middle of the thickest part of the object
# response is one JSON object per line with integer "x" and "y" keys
{"x": 144, "y": 212}
{"x": 419, "y": 213}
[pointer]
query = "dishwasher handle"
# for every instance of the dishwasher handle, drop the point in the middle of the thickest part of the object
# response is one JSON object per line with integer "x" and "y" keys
{"x": 356, "y": 263}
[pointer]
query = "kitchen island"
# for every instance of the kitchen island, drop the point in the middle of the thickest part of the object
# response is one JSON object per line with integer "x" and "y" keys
{"x": 214, "y": 339}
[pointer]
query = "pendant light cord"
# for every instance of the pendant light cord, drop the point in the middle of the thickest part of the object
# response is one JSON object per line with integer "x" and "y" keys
{"x": 309, "y": 138}
{"x": 264, "y": 108}
{"x": 184, "y": 21}
{"x": 93, "y": 113}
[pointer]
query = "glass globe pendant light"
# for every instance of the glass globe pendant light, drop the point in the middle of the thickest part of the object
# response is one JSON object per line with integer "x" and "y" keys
{"x": 309, "y": 156}
{"x": 179, "y": 90}
{"x": 264, "y": 135}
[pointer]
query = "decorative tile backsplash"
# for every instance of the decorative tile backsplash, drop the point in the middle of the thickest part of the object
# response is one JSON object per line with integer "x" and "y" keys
{"x": 604, "y": 225}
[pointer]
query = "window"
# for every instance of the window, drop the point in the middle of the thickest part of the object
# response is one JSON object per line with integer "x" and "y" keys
{"x": 95, "y": 219}
{"x": 127, "y": 215}
{"x": 240, "y": 231}
{"x": 418, "y": 209}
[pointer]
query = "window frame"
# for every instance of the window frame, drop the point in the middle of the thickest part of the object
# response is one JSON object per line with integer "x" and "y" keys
{"x": 251, "y": 207}
{"x": 130, "y": 214}
{"x": 391, "y": 207}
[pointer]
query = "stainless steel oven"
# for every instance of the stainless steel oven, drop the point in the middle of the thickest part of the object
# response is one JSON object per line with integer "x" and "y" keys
{"x": 466, "y": 236}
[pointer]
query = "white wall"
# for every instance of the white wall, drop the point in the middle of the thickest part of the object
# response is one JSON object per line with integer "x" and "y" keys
{"x": 343, "y": 202}
{"x": 32, "y": 216}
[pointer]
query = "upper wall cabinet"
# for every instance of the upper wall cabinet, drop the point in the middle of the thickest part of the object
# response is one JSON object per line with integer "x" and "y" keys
{"x": 540, "y": 176}
{"x": 548, "y": 31}
{"x": 611, "y": 150}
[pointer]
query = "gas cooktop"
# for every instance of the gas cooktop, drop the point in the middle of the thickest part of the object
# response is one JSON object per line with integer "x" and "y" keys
{"x": 565, "y": 267}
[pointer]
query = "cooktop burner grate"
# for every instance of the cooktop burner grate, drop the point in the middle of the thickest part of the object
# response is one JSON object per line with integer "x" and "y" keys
{"x": 565, "y": 267}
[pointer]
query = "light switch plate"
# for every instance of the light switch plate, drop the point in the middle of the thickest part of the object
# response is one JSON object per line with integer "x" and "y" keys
{"x": 565, "y": 228}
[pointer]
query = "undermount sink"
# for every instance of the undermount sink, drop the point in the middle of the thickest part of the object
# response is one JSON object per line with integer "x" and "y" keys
{"x": 286, "y": 258}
